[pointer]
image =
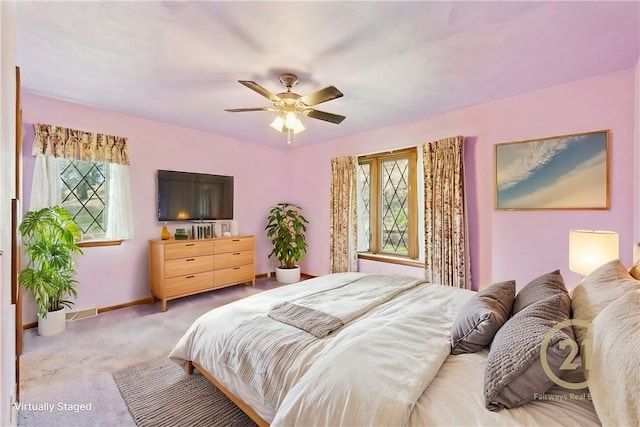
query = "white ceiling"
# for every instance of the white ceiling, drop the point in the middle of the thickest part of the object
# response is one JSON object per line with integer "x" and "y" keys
{"x": 179, "y": 62}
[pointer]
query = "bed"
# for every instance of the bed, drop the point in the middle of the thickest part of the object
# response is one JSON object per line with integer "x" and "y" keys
{"x": 362, "y": 349}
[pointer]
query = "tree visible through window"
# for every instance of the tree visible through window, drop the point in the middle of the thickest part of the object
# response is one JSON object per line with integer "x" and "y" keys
{"x": 83, "y": 188}
{"x": 387, "y": 213}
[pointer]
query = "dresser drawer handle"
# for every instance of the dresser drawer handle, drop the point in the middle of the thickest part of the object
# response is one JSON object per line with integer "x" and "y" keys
{"x": 190, "y": 277}
{"x": 236, "y": 268}
{"x": 190, "y": 244}
{"x": 190, "y": 259}
{"x": 236, "y": 253}
{"x": 236, "y": 240}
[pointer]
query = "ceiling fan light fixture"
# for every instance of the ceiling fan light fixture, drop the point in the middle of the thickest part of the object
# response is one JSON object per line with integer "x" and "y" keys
{"x": 290, "y": 120}
{"x": 278, "y": 124}
{"x": 299, "y": 127}
{"x": 289, "y": 103}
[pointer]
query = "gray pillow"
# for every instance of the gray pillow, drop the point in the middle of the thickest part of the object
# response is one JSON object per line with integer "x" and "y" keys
{"x": 538, "y": 289}
{"x": 514, "y": 373}
{"x": 481, "y": 317}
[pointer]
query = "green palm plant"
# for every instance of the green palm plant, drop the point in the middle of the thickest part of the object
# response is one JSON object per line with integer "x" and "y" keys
{"x": 286, "y": 227}
{"x": 50, "y": 236}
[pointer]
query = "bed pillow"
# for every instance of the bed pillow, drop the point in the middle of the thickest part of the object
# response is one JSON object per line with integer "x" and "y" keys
{"x": 538, "y": 289}
{"x": 635, "y": 271}
{"x": 514, "y": 373}
{"x": 481, "y": 317}
{"x": 596, "y": 291}
{"x": 614, "y": 371}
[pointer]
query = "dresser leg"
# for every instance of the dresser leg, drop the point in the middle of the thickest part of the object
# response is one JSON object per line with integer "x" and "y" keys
{"x": 164, "y": 305}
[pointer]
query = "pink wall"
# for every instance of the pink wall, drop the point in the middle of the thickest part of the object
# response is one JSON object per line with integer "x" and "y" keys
{"x": 109, "y": 276}
{"x": 504, "y": 245}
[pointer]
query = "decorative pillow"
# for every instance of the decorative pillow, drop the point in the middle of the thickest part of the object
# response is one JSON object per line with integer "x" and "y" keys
{"x": 481, "y": 317}
{"x": 514, "y": 373}
{"x": 635, "y": 271}
{"x": 595, "y": 292}
{"x": 538, "y": 289}
{"x": 614, "y": 371}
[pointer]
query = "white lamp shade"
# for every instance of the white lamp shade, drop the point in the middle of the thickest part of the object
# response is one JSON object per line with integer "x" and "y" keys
{"x": 589, "y": 249}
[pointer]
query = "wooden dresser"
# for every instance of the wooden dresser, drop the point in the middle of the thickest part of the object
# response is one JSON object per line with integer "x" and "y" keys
{"x": 185, "y": 267}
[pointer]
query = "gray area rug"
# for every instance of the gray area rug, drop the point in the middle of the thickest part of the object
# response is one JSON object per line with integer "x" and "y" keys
{"x": 160, "y": 393}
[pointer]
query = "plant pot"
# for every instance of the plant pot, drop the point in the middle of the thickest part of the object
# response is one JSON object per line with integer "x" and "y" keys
{"x": 288, "y": 275}
{"x": 54, "y": 323}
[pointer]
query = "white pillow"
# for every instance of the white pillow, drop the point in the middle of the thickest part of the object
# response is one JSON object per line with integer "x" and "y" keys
{"x": 614, "y": 371}
{"x": 604, "y": 285}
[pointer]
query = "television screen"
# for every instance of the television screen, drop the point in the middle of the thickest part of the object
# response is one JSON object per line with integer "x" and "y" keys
{"x": 187, "y": 196}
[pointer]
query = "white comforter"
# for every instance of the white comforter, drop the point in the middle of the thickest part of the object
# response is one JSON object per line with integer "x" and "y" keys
{"x": 369, "y": 372}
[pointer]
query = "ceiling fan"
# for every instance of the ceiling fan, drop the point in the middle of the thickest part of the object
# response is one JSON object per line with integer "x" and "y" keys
{"x": 290, "y": 103}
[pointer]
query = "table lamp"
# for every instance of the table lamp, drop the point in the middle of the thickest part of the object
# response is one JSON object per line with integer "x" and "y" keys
{"x": 589, "y": 249}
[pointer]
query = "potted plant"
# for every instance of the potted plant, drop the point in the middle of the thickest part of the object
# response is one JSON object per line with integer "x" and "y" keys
{"x": 50, "y": 236}
{"x": 286, "y": 227}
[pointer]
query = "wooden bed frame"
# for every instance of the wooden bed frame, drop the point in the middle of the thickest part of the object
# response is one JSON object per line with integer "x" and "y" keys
{"x": 239, "y": 402}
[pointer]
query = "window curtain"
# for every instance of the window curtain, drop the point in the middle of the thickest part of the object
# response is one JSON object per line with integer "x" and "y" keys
{"x": 45, "y": 189}
{"x": 119, "y": 209}
{"x": 446, "y": 239}
{"x": 343, "y": 215}
{"x": 53, "y": 142}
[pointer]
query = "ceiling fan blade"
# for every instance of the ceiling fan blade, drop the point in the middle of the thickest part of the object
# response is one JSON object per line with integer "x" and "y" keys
{"x": 322, "y": 95}
{"x": 240, "y": 110}
{"x": 262, "y": 91}
{"x": 322, "y": 115}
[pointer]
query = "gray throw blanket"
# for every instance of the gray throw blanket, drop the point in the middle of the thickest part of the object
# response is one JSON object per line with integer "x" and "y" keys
{"x": 310, "y": 320}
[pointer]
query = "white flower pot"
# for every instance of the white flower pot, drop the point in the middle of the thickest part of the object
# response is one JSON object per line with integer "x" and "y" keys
{"x": 288, "y": 275}
{"x": 54, "y": 323}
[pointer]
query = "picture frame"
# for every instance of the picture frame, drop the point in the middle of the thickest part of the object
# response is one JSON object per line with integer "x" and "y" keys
{"x": 566, "y": 172}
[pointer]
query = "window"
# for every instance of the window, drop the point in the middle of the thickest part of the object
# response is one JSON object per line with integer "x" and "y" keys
{"x": 387, "y": 204}
{"x": 83, "y": 189}
{"x": 87, "y": 174}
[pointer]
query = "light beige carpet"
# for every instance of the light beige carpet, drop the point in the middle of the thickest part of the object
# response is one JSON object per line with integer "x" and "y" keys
{"x": 76, "y": 367}
{"x": 160, "y": 393}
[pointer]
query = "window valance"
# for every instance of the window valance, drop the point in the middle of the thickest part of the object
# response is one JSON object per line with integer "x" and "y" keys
{"x": 56, "y": 141}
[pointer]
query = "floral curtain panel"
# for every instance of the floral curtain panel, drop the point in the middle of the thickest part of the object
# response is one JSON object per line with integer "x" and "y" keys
{"x": 344, "y": 215}
{"x": 56, "y": 141}
{"x": 446, "y": 239}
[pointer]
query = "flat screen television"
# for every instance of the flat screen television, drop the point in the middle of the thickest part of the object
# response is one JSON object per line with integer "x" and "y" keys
{"x": 188, "y": 196}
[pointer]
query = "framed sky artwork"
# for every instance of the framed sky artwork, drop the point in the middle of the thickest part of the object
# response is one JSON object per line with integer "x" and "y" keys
{"x": 560, "y": 172}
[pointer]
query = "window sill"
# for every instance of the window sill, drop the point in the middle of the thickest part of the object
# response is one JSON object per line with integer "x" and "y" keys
{"x": 95, "y": 243}
{"x": 391, "y": 259}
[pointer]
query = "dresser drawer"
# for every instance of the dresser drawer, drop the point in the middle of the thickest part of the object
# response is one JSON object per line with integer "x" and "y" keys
{"x": 233, "y": 259}
{"x": 234, "y": 244}
{"x": 243, "y": 273}
{"x": 188, "y": 249}
{"x": 186, "y": 266}
{"x": 188, "y": 284}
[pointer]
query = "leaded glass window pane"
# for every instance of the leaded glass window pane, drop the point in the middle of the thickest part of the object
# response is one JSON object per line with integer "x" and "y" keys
{"x": 394, "y": 206}
{"x": 364, "y": 207}
{"x": 83, "y": 188}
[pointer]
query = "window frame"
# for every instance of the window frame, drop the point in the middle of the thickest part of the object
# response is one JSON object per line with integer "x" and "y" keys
{"x": 375, "y": 206}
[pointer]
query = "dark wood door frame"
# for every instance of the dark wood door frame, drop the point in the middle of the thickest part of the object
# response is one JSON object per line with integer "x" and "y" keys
{"x": 16, "y": 294}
